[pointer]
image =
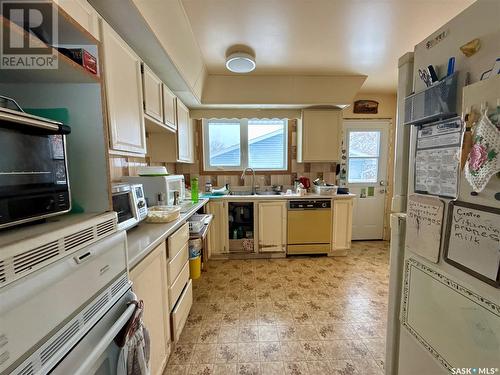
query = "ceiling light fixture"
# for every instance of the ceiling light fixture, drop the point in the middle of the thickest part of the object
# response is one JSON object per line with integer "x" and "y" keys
{"x": 240, "y": 62}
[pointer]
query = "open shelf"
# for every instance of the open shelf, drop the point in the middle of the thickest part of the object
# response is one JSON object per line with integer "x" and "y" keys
{"x": 67, "y": 71}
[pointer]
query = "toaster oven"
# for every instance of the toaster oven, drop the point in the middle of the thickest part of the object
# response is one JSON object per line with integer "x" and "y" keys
{"x": 33, "y": 168}
{"x": 129, "y": 203}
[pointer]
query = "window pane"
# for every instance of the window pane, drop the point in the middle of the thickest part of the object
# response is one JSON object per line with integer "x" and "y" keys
{"x": 267, "y": 144}
{"x": 364, "y": 143}
{"x": 363, "y": 170}
{"x": 224, "y": 143}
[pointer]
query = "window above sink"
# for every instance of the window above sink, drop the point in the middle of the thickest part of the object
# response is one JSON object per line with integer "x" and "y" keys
{"x": 233, "y": 145}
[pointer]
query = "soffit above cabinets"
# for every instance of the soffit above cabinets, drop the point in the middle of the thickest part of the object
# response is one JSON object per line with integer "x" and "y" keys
{"x": 129, "y": 21}
{"x": 281, "y": 90}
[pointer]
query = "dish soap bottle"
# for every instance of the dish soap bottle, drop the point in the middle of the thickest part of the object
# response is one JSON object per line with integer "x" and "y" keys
{"x": 194, "y": 190}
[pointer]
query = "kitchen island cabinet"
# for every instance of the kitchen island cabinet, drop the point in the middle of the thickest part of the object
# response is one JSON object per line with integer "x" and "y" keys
{"x": 149, "y": 279}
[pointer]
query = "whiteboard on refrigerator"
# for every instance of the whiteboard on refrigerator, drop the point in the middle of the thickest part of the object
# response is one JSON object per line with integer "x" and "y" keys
{"x": 424, "y": 221}
{"x": 473, "y": 240}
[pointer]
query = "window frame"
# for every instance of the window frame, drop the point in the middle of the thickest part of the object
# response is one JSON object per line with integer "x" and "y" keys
{"x": 377, "y": 157}
{"x": 244, "y": 157}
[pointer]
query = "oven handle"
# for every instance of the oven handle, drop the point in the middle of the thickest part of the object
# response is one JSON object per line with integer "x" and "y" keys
{"x": 106, "y": 340}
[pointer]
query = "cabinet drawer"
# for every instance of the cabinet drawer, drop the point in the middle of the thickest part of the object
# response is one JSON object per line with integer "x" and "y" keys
{"x": 174, "y": 266}
{"x": 181, "y": 311}
{"x": 177, "y": 240}
{"x": 175, "y": 289}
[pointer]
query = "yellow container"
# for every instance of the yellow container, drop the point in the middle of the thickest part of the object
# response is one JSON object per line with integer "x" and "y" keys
{"x": 195, "y": 267}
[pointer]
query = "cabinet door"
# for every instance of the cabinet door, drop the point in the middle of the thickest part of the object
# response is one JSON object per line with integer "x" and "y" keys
{"x": 320, "y": 135}
{"x": 83, "y": 13}
{"x": 169, "y": 108}
{"x": 272, "y": 226}
{"x": 185, "y": 147}
{"x": 218, "y": 236}
{"x": 123, "y": 84}
{"x": 342, "y": 224}
{"x": 152, "y": 91}
{"x": 150, "y": 285}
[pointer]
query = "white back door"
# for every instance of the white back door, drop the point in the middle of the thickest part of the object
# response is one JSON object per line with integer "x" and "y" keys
{"x": 367, "y": 151}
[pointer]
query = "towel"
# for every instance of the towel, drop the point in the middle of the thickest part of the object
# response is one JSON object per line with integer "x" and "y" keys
{"x": 135, "y": 346}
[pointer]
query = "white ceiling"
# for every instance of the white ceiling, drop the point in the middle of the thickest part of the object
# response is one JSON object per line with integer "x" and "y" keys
{"x": 319, "y": 36}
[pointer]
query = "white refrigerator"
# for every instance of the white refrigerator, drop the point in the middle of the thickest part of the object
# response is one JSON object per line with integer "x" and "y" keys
{"x": 444, "y": 304}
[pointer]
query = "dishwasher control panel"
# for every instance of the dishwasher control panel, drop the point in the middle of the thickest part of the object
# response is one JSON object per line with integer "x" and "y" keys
{"x": 310, "y": 204}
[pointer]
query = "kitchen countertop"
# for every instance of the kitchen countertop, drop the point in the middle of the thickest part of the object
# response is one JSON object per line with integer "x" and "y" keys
{"x": 145, "y": 237}
{"x": 282, "y": 196}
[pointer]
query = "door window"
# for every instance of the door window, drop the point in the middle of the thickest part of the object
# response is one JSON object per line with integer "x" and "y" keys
{"x": 363, "y": 156}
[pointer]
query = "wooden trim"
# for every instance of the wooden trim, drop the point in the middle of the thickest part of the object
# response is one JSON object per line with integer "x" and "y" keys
{"x": 291, "y": 123}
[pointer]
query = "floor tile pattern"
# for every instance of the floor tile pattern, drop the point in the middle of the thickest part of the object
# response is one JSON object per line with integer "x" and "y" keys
{"x": 301, "y": 315}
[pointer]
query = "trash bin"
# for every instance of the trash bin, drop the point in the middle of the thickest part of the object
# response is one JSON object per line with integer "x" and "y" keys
{"x": 195, "y": 267}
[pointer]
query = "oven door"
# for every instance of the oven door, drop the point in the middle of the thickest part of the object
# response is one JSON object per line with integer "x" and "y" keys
{"x": 124, "y": 206}
{"x": 97, "y": 353}
{"x": 33, "y": 169}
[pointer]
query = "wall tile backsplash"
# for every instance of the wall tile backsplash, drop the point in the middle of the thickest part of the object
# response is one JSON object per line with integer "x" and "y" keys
{"x": 310, "y": 170}
{"x": 127, "y": 166}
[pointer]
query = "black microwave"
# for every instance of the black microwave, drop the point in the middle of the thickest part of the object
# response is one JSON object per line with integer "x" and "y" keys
{"x": 33, "y": 168}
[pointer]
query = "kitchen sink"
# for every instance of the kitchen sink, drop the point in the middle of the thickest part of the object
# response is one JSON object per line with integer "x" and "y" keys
{"x": 241, "y": 193}
{"x": 268, "y": 193}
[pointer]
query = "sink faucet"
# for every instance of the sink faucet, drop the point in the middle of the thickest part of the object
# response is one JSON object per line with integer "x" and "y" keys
{"x": 253, "y": 177}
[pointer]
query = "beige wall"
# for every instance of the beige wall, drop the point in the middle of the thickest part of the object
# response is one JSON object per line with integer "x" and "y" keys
{"x": 386, "y": 110}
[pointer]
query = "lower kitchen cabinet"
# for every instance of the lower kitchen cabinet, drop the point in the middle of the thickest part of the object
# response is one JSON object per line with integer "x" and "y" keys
{"x": 149, "y": 279}
{"x": 218, "y": 236}
{"x": 342, "y": 224}
{"x": 272, "y": 226}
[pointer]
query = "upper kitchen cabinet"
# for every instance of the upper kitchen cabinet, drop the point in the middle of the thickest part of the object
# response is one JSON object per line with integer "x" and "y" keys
{"x": 185, "y": 135}
{"x": 152, "y": 92}
{"x": 123, "y": 89}
{"x": 169, "y": 108}
{"x": 83, "y": 13}
{"x": 173, "y": 147}
{"x": 318, "y": 135}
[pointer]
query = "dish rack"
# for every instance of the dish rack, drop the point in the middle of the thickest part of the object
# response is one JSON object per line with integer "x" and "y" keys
{"x": 325, "y": 189}
{"x": 438, "y": 101}
{"x": 197, "y": 222}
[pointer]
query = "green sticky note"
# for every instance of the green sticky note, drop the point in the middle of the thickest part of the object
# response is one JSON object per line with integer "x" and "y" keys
{"x": 371, "y": 191}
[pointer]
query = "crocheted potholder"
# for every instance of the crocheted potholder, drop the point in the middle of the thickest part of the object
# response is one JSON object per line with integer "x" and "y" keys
{"x": 483, "y": 160}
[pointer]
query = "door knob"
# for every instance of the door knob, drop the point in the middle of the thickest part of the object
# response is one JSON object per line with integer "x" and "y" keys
{"x": 382, "y": 183}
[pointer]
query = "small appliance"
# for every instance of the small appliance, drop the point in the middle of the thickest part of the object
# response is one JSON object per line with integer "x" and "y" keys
{"x": 129, "y": 203}
{"x": 33, "y": 168}
{"x": 164, "y": 187}
{"x": 306, "y": 182}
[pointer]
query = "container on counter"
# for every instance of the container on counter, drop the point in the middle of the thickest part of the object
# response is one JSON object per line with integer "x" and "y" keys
{"x": 194, "y": 189}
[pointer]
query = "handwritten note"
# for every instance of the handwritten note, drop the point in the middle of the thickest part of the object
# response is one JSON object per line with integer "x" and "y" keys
{"x": 474, "y": 238}
{"x": 424, "y": 220}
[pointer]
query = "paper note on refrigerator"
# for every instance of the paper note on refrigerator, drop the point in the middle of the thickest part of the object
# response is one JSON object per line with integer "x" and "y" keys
{"x": 437, "y": 158}
{"x": 424, "y": 220}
